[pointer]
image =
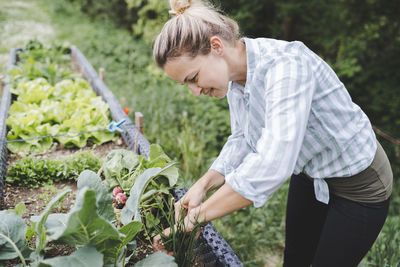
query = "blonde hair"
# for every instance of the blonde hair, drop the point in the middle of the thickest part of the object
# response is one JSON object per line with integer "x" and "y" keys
{"x": 189, "y": 30}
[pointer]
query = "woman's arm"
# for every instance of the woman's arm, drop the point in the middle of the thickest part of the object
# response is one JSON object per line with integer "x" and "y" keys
{"x": 224, "y": 201}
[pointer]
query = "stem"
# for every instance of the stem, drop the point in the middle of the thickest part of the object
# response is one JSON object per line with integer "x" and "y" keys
{"x": 151, "y": 198}
{"x": 15, "y": 248}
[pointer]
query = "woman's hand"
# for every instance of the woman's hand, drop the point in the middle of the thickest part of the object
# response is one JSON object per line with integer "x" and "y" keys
{"x": 189, "y": 224}
{"x": 192, "y": 199}
{"x": 189, "y": 205}
{"x": 197, "y": 193}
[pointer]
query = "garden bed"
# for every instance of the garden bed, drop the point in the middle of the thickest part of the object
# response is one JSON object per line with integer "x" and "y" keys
{"x": 211, "y": 248}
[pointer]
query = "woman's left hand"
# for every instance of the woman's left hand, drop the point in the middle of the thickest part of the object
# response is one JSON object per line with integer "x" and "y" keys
{"x": 189, "y": 222}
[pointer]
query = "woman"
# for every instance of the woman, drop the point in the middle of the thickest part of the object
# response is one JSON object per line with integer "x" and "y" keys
{"x": 290, "y": 117}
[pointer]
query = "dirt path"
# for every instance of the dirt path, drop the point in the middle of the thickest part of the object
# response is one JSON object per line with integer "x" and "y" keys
{"x": 20, "y": 21}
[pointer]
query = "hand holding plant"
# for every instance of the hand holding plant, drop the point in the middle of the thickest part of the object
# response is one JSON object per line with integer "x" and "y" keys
{"x": 179, "y": 239}
{"x": 191, "y": 200}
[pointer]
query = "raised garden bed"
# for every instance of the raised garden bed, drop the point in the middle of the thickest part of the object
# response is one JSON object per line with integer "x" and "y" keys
{"x": 212, "y": 249}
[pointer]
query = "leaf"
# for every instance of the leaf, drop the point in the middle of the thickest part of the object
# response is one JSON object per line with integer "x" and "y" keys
{"x": 103, "y": 198}
{"x": 157, "y": 259}
{"x": 156, "y": 152}
{"x": 172, "y": 175}
{"x": 83, "y": 225}
{"x": 128, "y": 232}
{"x": 131, "y": 208}
{"x": 41, "y": 220}
{"x": 117, "y": 163}
{"x": 19, "y": 209}
{"x": 12, "y": 236}
{"x": 84, "y": 256}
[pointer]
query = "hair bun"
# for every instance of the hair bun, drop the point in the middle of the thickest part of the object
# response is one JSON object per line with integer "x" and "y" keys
{"x": 178, "y": 6}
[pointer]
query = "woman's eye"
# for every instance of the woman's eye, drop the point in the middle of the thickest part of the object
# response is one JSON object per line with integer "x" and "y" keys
{"x": 193, "y": 80}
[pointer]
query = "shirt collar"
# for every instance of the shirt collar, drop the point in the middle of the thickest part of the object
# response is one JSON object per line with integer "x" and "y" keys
{"x": 252, "y": 57}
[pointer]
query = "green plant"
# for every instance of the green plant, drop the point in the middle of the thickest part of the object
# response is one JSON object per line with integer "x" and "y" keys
{"x": 70, "y": 112}
{"x": 52, "y": 102}
{"x": 88, "y": 226}
{"x": 46, "y": 196}
{"x": 123, "y": 167}
{"x": 179, "y": 241}
{"x": 152, "y": 14}
{"x": 34, "y": 172}
{"x": 19, "y": 209}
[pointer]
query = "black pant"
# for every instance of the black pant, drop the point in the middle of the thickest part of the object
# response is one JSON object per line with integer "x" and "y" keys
{"x": 337, "y": 234}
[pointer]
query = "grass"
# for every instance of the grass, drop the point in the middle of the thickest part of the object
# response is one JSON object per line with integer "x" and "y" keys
{"x": 190, "y": 130}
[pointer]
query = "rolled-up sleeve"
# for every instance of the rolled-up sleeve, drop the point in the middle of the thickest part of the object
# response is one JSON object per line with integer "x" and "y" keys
{"x": 289, "y": 86}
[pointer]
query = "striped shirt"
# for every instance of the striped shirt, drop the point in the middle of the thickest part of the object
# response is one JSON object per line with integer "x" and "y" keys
{"x": 293, "y": 115}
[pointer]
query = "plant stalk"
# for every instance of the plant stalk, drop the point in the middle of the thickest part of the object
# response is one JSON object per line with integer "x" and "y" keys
{"x": 15, "y": 248}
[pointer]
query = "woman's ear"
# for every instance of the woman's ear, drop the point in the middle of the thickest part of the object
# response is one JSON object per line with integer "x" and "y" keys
{"x": 217, "y": 45}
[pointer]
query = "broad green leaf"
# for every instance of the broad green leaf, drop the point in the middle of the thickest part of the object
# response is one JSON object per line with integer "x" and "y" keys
{"x": 131, "y": 209}
{"x": 12, "y": 236}
{"x": 172, "y": 174}
{"x": 128, "y": 232}
{"x": 118, "y": 163}
{"x": 86, "y": 256}
{"x": 84, "y": 226}
{"x": 157, "y": 152}
{"x": 92, "y": 181}
{"x": 157, "y": 259}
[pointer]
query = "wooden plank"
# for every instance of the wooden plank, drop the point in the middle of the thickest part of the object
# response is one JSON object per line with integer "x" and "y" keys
{"x": 139, "y": 121}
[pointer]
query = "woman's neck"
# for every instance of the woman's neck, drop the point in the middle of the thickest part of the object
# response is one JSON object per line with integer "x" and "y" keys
{"x": 237, "y": 62}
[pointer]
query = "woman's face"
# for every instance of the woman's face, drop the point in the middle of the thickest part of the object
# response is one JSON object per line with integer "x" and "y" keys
{"x": 204, "y": 74}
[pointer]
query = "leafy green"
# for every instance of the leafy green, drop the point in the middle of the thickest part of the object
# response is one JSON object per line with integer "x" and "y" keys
{"x": 117, "y": 255}
{"x": 122, "y": 167}
{"x": 86, "y": 256}
{"x": 37, "y": 61}
{"x": 132, "y": 204}
{"x": 34, "y": 49}
{"x": 92, "y": 181}
{"x": 41, "y": 219}
{"x": 12, "y": 236}
{"x": 19, "y": 209}
{"x": 70, "y": 112}
{"x": 84, "y": 226}
{"x": 34, "y": 172}
{"x": 117, "y": 165}
{"x": 157, "y": 259}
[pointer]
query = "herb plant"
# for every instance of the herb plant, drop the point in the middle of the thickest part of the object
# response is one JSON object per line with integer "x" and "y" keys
{"x": 34, "y": 172}
{"x": 180, "y": 242}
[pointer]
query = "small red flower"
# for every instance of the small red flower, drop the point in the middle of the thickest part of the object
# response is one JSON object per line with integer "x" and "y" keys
{"x": 126, "y": 110}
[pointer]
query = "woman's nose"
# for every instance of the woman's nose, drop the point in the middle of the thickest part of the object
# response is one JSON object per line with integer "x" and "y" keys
{"x": 196, "y": 90}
